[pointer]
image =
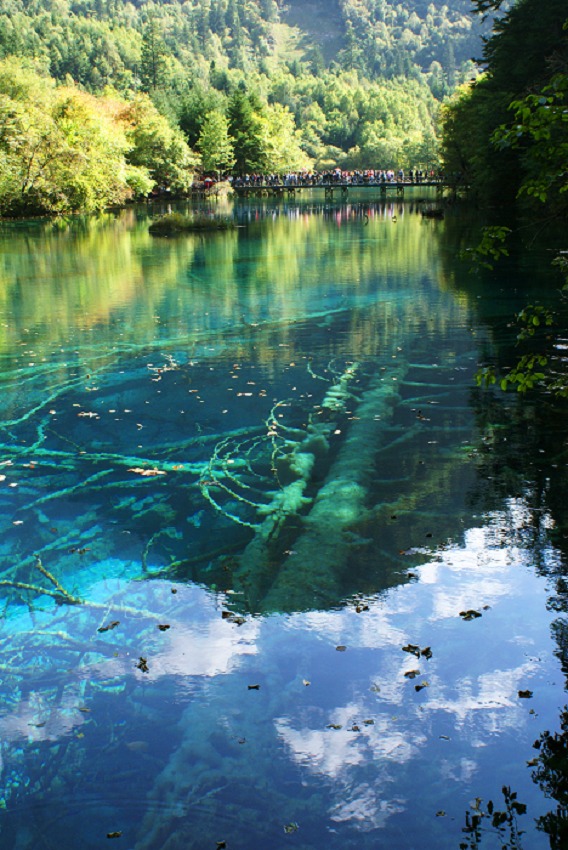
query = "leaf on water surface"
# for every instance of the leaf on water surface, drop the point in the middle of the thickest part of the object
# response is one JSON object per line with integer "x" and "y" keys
{"x": 412, "y": 648}
{"x": 441, "y": 814}
{"x": 376, "y": 689}
{"x": 84, "y": 709}
{"x": 291, "y": 827}
{"x": 525, "y": 694}
{"x": 369, "y": 722}
{"x": 532, "y": 762}
{"x": 470, "y": 614}
{"x": 146, "y": 473}
{"x": 254, "y": 687}
{"x": 233, "y": 618}
{"x": 163, "y": 627}
{"x": 306, "y": 682}
{"x": 221, "y": 845}
{"x": 426, "y": 652}
{"x": 143, "y": 665}
{"x": 412, "y": 674}
{"x": 355, "y": 728}
{"x": 341, "y": 648}
{"x": 114, "y": 834}
{"x": 361, "y": 608}
{"x": 110, "y": 626}
{"x": 421, "y": 686}
{"x": 334, "y": 726}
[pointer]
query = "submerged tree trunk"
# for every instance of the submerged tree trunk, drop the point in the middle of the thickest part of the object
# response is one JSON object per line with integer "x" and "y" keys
{"x": 318, "y": 557}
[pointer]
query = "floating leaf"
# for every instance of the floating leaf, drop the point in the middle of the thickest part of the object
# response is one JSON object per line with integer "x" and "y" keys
{"x": 426, "y": 652}
{"x": 109, "y": 626}
{"x": 412, "y": 648}
{"x": 525, "y": 694}
{"x": 421, "y": 686}
{"x": 334, "y": 726}
{"x": 291, "y": 827}
{"x": 114, "y": 834}
{"x": 143, "y": 665}
{"x": 146, "y": 473}
{"x": 470, "y": 614}
{"x": 163, "y": 627}
{"x": 532, "y": 762}
{"x": 370, "y": 722}
{"x": 341, "y": 648}
{"x": 221, "y": 845}
{"x": 355, "y": 728}
{"x": 412, "y": 674}
{"x": 306, "y": 682}
{"x": 233, "y": 618}
{"x": 254, "y": 687}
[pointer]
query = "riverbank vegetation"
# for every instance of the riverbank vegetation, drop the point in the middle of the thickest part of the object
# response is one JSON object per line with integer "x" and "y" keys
{"x": 64, "y": 149}
{"x": 507, "y": 134}
{"x": 101, "y": 100}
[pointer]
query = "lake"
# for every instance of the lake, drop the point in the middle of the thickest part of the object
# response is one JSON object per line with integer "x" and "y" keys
{"x": 275, "y": 573}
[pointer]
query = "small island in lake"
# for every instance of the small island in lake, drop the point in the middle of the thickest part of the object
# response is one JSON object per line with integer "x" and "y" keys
{"x": 173, "y": 223}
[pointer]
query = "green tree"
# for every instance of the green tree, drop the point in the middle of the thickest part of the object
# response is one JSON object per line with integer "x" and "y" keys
{"x": 282, "y": 145}
{"x": 60, "y": 148}
{"x": 215, "y": 144}
{"x": 153, "y": 58}
{"x": 247, "y": 133}
{"x": 157, "y": 146}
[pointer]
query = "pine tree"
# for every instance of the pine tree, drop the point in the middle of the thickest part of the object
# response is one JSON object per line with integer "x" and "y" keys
{"x": 214, "y": 143}
{"x": 153, "y": 59}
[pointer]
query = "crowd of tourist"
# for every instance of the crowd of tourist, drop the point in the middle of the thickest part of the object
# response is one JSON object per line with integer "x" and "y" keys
{"x": 337, "y": 177}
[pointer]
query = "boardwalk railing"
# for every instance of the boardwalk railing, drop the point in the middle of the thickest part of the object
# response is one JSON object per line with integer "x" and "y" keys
{"x": 246, "y": 190}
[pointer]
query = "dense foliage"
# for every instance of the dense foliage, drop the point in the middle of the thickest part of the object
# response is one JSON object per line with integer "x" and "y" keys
{"x": 63, "y": 149}
{"x": 124, "y": 44}
{"x": 506, "y": 132}
{"x": 508, "y": 135}
{"x": 261, "y": 85}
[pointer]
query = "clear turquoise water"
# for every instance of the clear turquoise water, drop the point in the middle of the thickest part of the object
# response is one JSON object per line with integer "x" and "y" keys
{"x": 269, "y": 440}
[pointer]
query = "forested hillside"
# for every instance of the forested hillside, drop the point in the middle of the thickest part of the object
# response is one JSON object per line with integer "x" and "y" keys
{"x": 102, "y": 42}
{"x": 251, "y": 85}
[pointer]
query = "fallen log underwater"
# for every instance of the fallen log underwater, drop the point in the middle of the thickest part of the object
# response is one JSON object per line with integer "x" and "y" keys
{"x": 317, "y": 540}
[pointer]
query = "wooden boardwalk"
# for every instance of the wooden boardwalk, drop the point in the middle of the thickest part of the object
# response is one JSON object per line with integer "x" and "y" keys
{"x": 397, "y": 187}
